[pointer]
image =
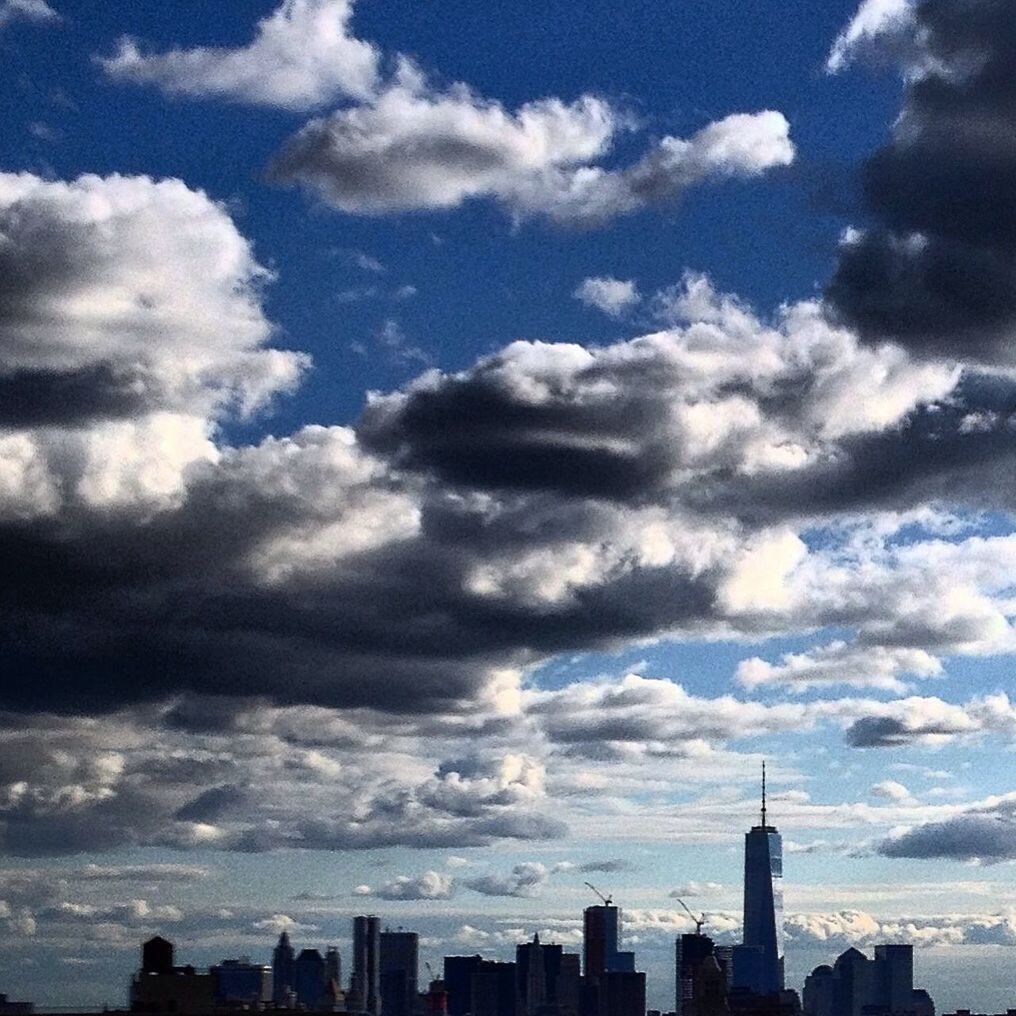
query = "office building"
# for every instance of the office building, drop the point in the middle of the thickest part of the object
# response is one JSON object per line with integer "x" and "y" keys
{"x": 894, "y": 977}
{"x": 621, "y": 993}
{"x": 399, "y": 964}
{"x": 309, "y": 978}
{"x": 689, "y": 953}
{"x": 458, "y": 981}
{"x": 600, "y": 932}
{"x": 365, "y": 983}
{"x": 240, "y": 982}
{"x": 283, "y": 958}
{"x": 11, "y": 1008}
{"x": 333, "y": 965}
{"x": 493, "y": 989}
{"x": 763, "y": 900}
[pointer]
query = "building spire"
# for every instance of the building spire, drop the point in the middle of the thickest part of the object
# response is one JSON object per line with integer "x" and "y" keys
{"x": 763, "y": 794}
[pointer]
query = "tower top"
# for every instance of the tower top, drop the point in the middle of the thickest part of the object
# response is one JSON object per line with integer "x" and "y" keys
{"x": 763, "y": 794}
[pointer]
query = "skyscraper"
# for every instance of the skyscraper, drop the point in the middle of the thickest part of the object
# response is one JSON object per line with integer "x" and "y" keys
{"x": 282, "y": 970}
{"x": 365, "y": 982}
{"x": 763, "y": 899}
{"x": 399, "y": 972}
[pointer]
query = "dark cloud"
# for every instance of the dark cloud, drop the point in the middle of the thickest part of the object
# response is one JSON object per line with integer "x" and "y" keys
{"x": 936, "y": 270}
{"x": 972, "y": 837}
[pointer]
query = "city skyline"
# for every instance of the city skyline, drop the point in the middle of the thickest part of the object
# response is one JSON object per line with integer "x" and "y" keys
{"x": 445, "y": 448}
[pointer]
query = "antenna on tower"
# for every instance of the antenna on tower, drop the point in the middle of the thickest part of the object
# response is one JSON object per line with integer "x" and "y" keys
{"x": 763, "y": 794}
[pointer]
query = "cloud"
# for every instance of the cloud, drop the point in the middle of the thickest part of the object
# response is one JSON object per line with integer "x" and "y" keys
{"x": 524, "y": 880}
{"x": 612, "y": 296}
{"x": 986, "y": 833}
{"x": 935, "y": 270}
{"x": 841, "y": 663}
{"x": 878, "y": 26}
{"x": 302, "y": 57}
{"x": 415, "y": 147}
{"x": 891, "y": 790}
{"x": 431, "y": 885}
{"x": 690, "y": 889}
{"x": 930, "y": 721}
{"x": 26, "y": 10}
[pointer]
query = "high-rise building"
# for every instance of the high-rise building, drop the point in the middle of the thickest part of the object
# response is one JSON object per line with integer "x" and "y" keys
{"x": 399, "y": 972}
{"x": 458, "y": 980}
{"x": 601, "y": 927}
{"x": 240, "y": 982}
{"x": 365, "y": 983}
{"x": 894, "y": 977}
{"x": 763, "y": 899}
{"x": 283, "y": 958}
{"x": 309, "y": 979}
{"x": 333, "y": 965}
{"x": 493, "y": 989}
{"x": 689, "y": 952}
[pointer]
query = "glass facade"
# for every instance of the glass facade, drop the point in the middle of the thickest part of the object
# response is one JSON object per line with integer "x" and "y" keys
{"x": 763, "y": 903}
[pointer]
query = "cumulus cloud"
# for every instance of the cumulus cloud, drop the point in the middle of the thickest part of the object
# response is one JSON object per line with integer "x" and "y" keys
{"x": 415, "y": 147}
{"x": 302, "y": 56}
{"x": 930, "y": 721}
{"x": 523, "y": 880}
{"x": 935, "y": 270}
{"x": 610, "y": 295}
{"x": 431, "y": 885}
{"x": 841, "y": 663}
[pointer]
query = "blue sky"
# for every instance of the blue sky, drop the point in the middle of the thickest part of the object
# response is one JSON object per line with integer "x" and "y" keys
{"x": 447, "y": 448}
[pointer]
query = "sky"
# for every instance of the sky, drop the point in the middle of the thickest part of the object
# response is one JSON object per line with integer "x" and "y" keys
{"x": 445, "y": 448}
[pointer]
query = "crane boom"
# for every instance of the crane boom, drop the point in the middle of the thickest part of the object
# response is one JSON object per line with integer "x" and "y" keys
{"x": 607, "y": 900}
{"x": 699, "y": 921}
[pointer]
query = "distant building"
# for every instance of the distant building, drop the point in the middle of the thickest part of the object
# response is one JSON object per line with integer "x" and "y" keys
{"x": 547, "y": 980}
{"x": 309, "y": 978}
{"x": 458, "y": 981}
{"x": 763, "y": 900}
{"x": 242, "y": 982}
{"x": 9, "y": 1008}
{"x": 600, "y": 932}
{"x": 333, "y": 965}
{"x": 492, "y": 989}
{"x": 621, "y": 993}
{"x": 399, "y": 972}
{"x": 283, "y": 958}
{"x": 858, "y": 986}
{"x": 689, "y": 952}
{"x": 161, "y": 987}
{"x": 365, "y": 982}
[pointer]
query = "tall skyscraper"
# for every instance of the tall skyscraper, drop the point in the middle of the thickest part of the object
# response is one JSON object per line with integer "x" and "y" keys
{"x": 894, "y": 977}
{"x": 601, "y": 925}
{"x": 763, "y": 899}
{"x": 365, "y": 982}
{"x": 282, "y": 970}
{"x": 399, "y": 972}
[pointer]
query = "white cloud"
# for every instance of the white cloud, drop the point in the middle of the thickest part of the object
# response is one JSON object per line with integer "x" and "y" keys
{"x": 431, "y": 885}
{"x": 891, "y": 790}
{"x": 525, "y": 880}
{"x": 26, "y": 10}
{"x": 612, "y": 296}
{"x": 302, "y": 56}
{"x": 874, "y": 21}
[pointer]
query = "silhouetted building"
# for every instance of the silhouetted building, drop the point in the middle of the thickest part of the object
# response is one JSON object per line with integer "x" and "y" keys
{"x": 547, "y": 979}
{"x": 763, "y": 900}
{"x": 858, "y": 986}
{"x": 309, "y": 978}
{"x": 161, "y": 987}
{"x": 399, "y": 951}
{"x": 9, "y": 1008}
{"x": 365, "y": 983}
{"x": 435, "y": 1002}
{"x": 689, "y": 952}
{"x": 600, "y": 932}
{"x": 283, "y": 958}
{"x": 817, "y": 999}
{"x": 242, "y": 982}
{"x": 492, "y": 989}
{"x": 894, "y": 977}
{"x": 333, "y": 965}
{"x": 157, "y": 956}
{"x": 621, "y": 993}
{"x": 709, "y": 989}
{"x": 458, "y": 980}
{"x": 741, "y": 1002}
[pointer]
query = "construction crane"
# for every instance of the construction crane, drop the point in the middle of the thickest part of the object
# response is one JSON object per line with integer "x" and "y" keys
{"x": 608, "y": 901}
{"x": 699, "y": 921}
{"x": 430, "y": 970}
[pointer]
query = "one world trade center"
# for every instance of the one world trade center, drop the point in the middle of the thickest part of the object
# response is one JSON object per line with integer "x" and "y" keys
{"x": 763, "y": 900}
